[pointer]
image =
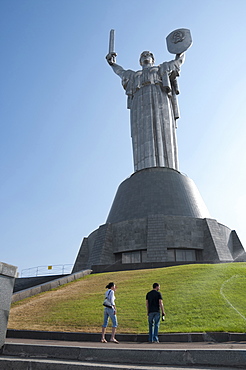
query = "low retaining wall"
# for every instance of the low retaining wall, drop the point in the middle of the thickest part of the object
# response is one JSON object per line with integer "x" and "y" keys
{"x": 48, "y": 286}
{"x": 216, "y": 337}
{"x": 29, "y": 282}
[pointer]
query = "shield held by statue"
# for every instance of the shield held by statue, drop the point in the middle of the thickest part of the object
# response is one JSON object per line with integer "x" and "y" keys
{"x": 179, "y": 41}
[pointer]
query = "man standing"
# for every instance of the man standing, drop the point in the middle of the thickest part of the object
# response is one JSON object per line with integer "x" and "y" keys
{"x": 153, "y": 304}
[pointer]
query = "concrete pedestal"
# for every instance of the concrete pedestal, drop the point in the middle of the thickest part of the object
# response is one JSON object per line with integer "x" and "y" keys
{"x": 7, "y": 279}
{"x": 157, "y": 217}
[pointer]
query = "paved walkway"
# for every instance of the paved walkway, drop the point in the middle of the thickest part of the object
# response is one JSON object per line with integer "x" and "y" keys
{"x": 133, "y": 345}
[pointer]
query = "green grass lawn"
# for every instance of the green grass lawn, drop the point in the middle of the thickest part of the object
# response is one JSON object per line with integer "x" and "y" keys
{"x": 197, "y": 298}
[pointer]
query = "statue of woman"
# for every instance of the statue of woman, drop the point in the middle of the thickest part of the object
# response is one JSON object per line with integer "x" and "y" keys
{"x": 154, "y": 109}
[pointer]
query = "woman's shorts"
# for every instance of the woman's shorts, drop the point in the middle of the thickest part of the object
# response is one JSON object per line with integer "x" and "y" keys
{"x": 109, "y": 312}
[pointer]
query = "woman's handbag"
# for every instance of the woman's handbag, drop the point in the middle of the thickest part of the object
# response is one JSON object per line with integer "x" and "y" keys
{"x": 107, "y": 303}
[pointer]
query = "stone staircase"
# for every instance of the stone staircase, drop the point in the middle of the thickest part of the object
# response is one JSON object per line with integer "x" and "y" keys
{"x": 70, "y": 356}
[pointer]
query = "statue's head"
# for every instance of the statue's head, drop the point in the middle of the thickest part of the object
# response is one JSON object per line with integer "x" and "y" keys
{"x": 146, "y": 58}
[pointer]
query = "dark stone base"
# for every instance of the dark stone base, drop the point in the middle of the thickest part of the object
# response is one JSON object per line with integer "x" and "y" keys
{"x": 158, "y": 217}
{"x": 154, "y": 191}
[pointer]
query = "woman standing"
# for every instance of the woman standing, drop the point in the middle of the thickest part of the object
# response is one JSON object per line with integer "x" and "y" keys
{"x": 109, "y": 311}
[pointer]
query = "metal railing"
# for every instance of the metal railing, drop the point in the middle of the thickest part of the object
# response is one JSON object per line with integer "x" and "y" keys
{"x": 47, "y": 270}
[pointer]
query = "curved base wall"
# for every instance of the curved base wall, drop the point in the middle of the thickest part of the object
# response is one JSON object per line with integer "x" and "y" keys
{"x": 157, "y": 190}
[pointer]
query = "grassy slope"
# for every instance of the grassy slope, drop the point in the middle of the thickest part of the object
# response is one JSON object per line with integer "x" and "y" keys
{"x": 194, "y": 299}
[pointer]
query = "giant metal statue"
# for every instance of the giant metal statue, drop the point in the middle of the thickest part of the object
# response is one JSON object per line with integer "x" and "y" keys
{"x": 158, "y": 215}
{"x": 153, "y": 103}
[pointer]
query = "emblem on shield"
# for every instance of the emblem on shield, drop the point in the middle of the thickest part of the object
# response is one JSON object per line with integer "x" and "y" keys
{"x": 179, "y": 41}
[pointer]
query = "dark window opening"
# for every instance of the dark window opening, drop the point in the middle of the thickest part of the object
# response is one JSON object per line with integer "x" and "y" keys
{"x": 180, "y": 255}
{"x": 132, "y": 257}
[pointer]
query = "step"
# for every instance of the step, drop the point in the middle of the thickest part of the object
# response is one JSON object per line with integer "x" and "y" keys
{"x": 10, "y": 363}
{"x": 129, "y": 356}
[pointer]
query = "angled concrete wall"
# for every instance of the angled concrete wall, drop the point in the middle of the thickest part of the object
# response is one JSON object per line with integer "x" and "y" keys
{"x": 7, "y": 279}
{"x": 211, "y": 241}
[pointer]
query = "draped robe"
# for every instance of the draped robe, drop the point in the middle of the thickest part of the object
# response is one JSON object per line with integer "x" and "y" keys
{"x": 153, "y": 110}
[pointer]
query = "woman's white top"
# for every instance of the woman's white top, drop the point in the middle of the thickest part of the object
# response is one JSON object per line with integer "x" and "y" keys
{"x": 110, "y": 296}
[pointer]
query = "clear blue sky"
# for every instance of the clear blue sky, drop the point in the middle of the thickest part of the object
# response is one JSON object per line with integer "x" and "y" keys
{"x": 65, "y": 139}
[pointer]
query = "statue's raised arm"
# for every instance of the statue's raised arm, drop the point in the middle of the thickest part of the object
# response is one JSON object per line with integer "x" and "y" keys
{"x": 111, "y": 56}
{"x": 111, "y": 59}
{"x": 153, "y": 103}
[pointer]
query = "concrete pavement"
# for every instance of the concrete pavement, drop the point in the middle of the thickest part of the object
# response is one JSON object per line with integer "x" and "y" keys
{"x": 125, "y": 355}
{"x": 131, "y": 345}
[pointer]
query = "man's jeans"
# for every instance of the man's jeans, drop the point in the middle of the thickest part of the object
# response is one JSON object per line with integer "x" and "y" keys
{"x": 154, "y": 323}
